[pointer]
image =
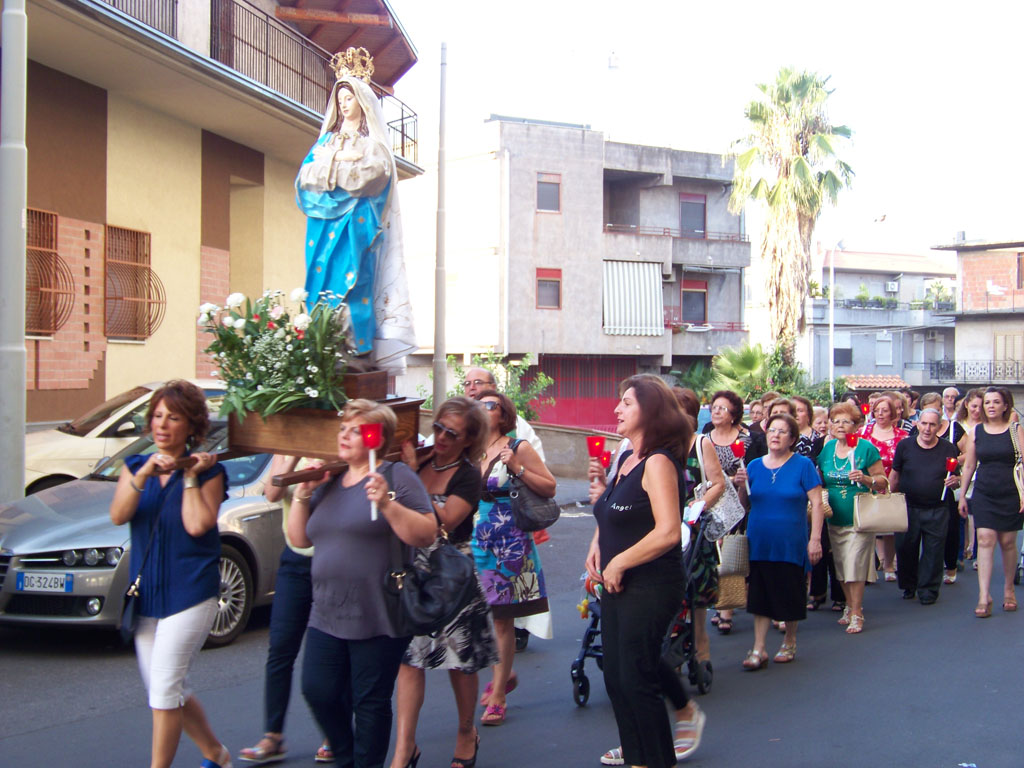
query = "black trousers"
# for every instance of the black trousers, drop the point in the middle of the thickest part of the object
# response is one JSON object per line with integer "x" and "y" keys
{"x": 919, "y": 550}
{"x": 824, "y": 572}
{"x": 952, "y": 551}
{"x": 633, "y": 626}
{"x": 349, "y": 683}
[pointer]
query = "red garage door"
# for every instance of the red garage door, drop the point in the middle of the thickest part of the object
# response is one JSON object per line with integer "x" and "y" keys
{"x": 586, "y": 389}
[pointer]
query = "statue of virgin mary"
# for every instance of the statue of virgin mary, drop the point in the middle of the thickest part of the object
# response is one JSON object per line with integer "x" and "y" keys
{"x": 346, "y": 187}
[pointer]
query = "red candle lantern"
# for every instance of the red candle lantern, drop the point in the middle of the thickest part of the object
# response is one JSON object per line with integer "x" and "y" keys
{"x": 595, "y": 446}
{"x": 951, "y": 464}
{"x": 372, "y": 436}
{"x": 851, "y": 439}
{"x": 865, "y": 408}
{"x": 606, "y": 459}
{"x": 739, "y": 449}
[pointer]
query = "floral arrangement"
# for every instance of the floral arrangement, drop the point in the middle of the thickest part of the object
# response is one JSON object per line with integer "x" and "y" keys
{"x": 271, "y": 358}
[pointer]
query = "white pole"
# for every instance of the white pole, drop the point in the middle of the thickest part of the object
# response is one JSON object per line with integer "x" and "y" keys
{"x": 440, "y": 355}
{"x": 13, "y": 194}
{"x": 832, "y": 323}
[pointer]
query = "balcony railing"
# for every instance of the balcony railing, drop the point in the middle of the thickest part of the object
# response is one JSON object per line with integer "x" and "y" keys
{"x": 891, "y": 303}
{"x": 1001, "y": 299}
{"x": 161, "y": 15}
{"x": 674, "y": 319}
{"x": 681, "y": 234}
{"x": 978, "y": 371}
{"x": 254, "y": 43}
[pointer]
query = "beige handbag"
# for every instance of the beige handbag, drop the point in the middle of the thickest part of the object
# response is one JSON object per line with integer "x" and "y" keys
{"x": 732, "y": 592}
{"x": 880, "y": 512}
{"x": 734, "y": 555}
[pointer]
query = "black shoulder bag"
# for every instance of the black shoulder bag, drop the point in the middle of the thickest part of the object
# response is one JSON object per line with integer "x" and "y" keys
{"x": 129, "y": 615}
{"x": 425, "y": 601}
{"x": 530, "y": 511}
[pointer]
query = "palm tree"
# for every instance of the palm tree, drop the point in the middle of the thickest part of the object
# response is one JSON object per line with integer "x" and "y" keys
{"x": 744, "y": 369}
{"x": 789, "y": 161}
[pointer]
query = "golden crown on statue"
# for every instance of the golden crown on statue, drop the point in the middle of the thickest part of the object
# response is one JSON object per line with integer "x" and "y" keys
{"x": 354, "y": 62}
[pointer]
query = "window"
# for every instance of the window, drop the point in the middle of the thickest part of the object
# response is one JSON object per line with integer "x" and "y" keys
{"x": 49, "y": 284}
{"x": 549, "y": 288}
{"x": 695, "y": 302}
{"x": 134, "y": 304}
{"x": 883, "y": 349}
{"x": 842, "y": 352}
{"x": 549, "y": 187}
{"x": 692, "y": 209}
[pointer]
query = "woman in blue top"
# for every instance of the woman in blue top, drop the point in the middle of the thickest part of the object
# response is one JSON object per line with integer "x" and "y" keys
{"x": 781, "y": 555}
{"x": 173, "y": 516}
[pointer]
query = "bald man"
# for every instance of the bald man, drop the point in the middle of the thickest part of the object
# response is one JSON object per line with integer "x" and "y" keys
{"x": 479, "y": 379}
{"x": 949, "y": 397}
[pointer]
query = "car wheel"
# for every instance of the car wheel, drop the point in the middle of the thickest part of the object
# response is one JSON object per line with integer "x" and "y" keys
{"x": 47, "y": 482}
{"x": 234, "y": 603}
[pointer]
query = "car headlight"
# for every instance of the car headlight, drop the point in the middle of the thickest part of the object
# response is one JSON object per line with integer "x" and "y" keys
{"x": 113, "y": 556}
{"x": 93, "y": 556}
{"x": 71, "y": 557}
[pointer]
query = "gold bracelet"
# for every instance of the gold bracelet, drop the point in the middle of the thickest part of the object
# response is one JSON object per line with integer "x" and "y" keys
{"x": 296, "y": 497}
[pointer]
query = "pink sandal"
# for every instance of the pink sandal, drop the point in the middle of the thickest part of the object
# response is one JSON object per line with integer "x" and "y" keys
{"x": 493, "y": 715}
{"x": 510, "y": 686}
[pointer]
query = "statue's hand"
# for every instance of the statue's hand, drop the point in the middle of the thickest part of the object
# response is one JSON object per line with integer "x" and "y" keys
{"x": 349, "y": 155}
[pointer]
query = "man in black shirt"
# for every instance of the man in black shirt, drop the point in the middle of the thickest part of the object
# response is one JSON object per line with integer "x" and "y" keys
{"x": 919, "y": 471}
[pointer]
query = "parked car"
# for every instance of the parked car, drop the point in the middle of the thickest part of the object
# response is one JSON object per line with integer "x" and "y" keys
{"x": 63, "y": 563}
{"x": 67, "y": 452}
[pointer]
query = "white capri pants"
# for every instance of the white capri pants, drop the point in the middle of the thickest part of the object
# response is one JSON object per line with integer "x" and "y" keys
{"x": 166, "y": 649}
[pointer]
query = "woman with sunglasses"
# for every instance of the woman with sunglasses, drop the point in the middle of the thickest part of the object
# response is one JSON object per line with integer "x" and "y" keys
{"x": 506, "y": 557}
{"x": 467, "y": 645}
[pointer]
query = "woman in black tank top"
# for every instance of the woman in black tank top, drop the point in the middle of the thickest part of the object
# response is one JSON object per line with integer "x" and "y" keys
{"x": 636, "y": 555}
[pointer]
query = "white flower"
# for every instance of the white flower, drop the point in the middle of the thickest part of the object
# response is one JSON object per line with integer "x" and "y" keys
{"x": 227, "y": 322}
{"x": 208, "y": 308}
{"x": 312, "y": 369}
{"x": 239, "y": 323}
{"x": 289, "y": 348}
{"x": 276, "y": 312}
{"x": 301, "y": 322}
{"x": 312, "y": 392}
{"x": 279, "y": 333}
{"x": 235, "y": 300}
{"x": 203, "y": 320}
{"x": 248, "y": 375}
{"x": 299, "y": 380}
{"x": 299, "y": 294}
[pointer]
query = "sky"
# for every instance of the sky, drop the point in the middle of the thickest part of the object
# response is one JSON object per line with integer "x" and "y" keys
{"x": 932, "y": 92}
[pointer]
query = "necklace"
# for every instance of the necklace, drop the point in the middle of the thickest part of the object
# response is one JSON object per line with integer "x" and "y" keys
{"x": 774, "y": 472}
{"x": 443, "y": 467}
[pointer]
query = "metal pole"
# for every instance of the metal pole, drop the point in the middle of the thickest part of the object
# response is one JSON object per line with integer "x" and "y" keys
{"x": 832, "y": 323}
{"x": 440, "y": 361}
{"x": 13, "y": 193}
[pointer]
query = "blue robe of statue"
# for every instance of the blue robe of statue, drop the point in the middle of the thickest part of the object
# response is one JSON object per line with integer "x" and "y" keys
{"x": 342, "y": 244}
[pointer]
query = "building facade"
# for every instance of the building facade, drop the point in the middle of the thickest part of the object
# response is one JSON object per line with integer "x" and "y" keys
{"x": 891, "y": 317}
{"x": 163, "y": 142}
{"x": 599, "y": 259}
{"x": 989, "y": 346}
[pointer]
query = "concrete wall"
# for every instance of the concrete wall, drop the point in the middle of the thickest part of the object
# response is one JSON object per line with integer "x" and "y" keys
{"x": 194, "y": 25}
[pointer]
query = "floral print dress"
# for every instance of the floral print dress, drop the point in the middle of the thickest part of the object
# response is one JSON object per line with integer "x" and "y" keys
{"x": 506, "y": 558}
{"x": 886, "y": 448}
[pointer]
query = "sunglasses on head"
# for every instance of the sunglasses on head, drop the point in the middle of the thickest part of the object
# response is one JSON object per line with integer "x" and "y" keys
{"x": 439, "y": 428}
{"x": 489, "y": 405}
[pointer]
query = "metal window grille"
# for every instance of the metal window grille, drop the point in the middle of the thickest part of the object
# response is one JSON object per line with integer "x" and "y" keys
{"x": 134, "y": 300}
{"x": 49, "y": 283}
{"x": 161, "y": 15}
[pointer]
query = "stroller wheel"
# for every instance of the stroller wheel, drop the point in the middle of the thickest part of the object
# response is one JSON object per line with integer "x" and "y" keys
{"x": 581, "y": 690}
{"x": 704, "y": 675}
{"x": 691, "y": 668}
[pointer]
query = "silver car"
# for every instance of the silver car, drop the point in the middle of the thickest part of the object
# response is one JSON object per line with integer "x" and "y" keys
{"x": 62, "y": 562}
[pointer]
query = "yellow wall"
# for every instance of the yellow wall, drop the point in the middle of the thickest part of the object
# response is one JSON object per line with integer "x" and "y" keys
{"x": 247, "y": 239}
{"x": 153, "y": 184}
{"x": 284, "y": 266}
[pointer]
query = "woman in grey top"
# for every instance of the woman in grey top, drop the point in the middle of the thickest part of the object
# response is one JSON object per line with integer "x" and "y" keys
{"x": 352, "y": 647}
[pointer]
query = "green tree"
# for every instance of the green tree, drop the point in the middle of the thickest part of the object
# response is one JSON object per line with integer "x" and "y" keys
{"x": 700, "y": 377}
{"x": 789, "y": 160}
{"x": 744, "y": 370}
{"x": 526, "y": 396}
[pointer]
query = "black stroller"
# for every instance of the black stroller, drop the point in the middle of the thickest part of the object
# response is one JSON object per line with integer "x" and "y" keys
{"x": 679, "y": 646}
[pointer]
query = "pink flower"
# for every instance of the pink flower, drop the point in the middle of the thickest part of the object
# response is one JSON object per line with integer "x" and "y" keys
{"x": 276, "y": 312}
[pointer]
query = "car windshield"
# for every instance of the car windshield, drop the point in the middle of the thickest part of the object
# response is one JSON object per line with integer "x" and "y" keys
{"x": 92, "y": 419}
{"x": 241, "y": 470}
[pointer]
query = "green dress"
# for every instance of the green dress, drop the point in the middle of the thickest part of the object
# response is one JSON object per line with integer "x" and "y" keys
{"x": 835, "y": 472}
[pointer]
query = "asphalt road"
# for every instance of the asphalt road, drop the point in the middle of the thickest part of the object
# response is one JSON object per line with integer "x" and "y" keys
{"x": 922, "y": 686}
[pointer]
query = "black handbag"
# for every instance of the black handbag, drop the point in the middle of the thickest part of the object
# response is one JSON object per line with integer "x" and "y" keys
{"x": 423, "y": 601}
{"x": 530, "y": 511}
{"x": 129, "y": 613}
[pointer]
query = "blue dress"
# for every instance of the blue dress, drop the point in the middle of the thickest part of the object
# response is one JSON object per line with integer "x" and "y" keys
{"x": 506, "y": 558}
{"x": 777, "y": 527}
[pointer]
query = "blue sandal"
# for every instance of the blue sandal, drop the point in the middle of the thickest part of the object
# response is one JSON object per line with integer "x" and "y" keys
{"x": 225, "y": 760}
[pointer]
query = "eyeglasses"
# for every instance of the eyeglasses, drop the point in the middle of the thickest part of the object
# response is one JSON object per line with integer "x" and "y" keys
{"x": 490, "y": 405}
{"x": 842, "y": 422}
{"x": 439, "y": 428}
{"x": 719, "y": 408}
{"x": 777, "y": 431}
{"x": 474, "y": 383}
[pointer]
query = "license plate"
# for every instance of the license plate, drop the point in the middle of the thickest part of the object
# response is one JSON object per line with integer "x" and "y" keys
{"x": 45, "y": 582}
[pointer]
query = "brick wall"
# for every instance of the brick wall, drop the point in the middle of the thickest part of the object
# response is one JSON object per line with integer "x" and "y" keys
{"x": 68, "y": 360}
{"x": 214, "y": 287}
{"x": 999, "y": 267}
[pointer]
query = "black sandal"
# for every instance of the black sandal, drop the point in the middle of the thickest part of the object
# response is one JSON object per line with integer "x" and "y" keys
{"x": 814, "y": 603}
{"x": 724, "y": 626}
{"x": 838, "y": 606}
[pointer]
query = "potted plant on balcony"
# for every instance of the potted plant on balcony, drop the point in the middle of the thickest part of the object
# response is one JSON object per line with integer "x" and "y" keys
{"x": 285, "y": 368}
{"x": 891, "y": 302}
{"x": 862, "y": 296}
{"x": 876, "y": 302}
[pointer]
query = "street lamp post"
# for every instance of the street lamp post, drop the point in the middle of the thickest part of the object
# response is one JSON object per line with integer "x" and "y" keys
{"x": 832, "y": 318}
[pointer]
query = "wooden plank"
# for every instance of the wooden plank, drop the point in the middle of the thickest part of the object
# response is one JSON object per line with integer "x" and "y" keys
{"x": 285, "y": 13}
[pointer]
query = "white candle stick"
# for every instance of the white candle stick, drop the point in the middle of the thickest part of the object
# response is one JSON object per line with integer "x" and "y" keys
{"x": 746, "y": 480}
{"x": 945, "y": 488}
{"x": 373, "y": 468}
